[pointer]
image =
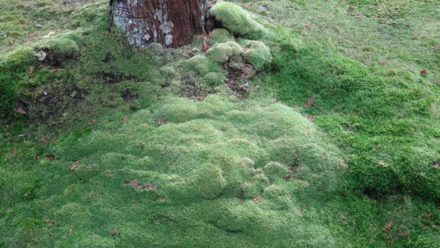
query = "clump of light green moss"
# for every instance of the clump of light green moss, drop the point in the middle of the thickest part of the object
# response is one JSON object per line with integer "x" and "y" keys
{"x": 222, "y": 172}
{"x": 202, "y": 65}
{"x": 13, "y": 68}
{"x": 220, "y": 35}
{"x": 258, "y": 54}
{"x": 208, "y": 181}
{"x": 20, "y": 57}
{"x": 276, "y": 170}
{"x": 237, "y": 20}
{"x": 24, "y": 57}
{"x": 220, "y": 163}
{"x": 221, "y": 52}
{"x": 63, "y": 46}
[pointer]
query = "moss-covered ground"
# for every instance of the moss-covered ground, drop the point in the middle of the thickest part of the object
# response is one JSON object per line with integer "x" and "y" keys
{"x": 306, "y": 124}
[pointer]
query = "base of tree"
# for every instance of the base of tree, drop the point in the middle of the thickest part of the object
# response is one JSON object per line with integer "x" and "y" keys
{"x": 171, "y": 23}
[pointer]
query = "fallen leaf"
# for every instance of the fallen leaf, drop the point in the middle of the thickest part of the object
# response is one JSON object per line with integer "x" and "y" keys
{"x": 205, "y": 45}
{"x": 200, "y": 98}
{"x": 108, "y": 173}
{"x": 20, "y": 110}
{"x": 388, "y": 227}
{"x": 309, "y": 103}
{"x": 50, "y": 157}
{"x": 125, "y": 119}
{"x": 429, "y": 216}
{"x": 311, "y": 118}
{"x": 50, "y": 222}
{"x": 403, "y": 234}
{"x": 113, "y": 232}
{"x": 257, "y": 200}
{"x": 382, "y": 163}
{"x": 247, "y": 72}
{"x": 160, "y": 122}
{"x": 188, "y": 53}
{"x": 43, "y": 140}
{"x": 142, "y": 187}
{"x": 74, "y": 166}
{"x": 49, "y": 34}
{"x": 30, "y": 71}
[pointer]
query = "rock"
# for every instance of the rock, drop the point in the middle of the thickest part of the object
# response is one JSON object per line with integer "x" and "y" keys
{"x": 41, "y": 55}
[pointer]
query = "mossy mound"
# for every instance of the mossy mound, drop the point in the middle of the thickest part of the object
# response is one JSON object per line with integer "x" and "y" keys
{"x": 220, "y": 35}
{"x": 63, "y": 46}
{"x": 237, "y": 20}
{"x": 224, "y": 173}
{"x": 377, "y": 103}
{"x": 257, "y": 54}
{"x": 221, "y": 52}
{"x": 57, "y": 51}
{"x": 17, "y": 59}
{"x": 16, "y": 65}
{"x": 208, "y": 74}
{"x": 202, "y": 65}
{"x": 223, "y": 164}
{"x": 13, "y": 67}
{"x": 21, "y": 58}
{"x": 229, "y": 57}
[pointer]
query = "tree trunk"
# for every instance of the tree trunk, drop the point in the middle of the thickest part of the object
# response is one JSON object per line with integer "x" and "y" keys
{"x": 171, "y": 23}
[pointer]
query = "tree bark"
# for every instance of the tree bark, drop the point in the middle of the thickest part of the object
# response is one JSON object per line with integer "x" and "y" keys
{"x": 171, "y": 23}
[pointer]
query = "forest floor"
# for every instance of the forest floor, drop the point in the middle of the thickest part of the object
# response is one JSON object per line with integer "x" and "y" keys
{"x": 331, "y": 139}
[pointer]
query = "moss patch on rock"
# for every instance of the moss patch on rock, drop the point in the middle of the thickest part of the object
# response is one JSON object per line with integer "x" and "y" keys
{"x": 63, "y": 46}
{"x": 258, "y": 54}
{"x": 202, "y": 65}
{"x": 13, "y": 68}
{"x": 237, "y": 20}
{"x": 220, "y": 35}
{"x": 221, "y": 52}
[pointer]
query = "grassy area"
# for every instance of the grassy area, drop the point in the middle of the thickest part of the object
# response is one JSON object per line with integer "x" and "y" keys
{"x": 392, "y": 34}
{"x": 336, "y": 143}
{"x": 25, "y": 22}
{"x": 384, "y": 115}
